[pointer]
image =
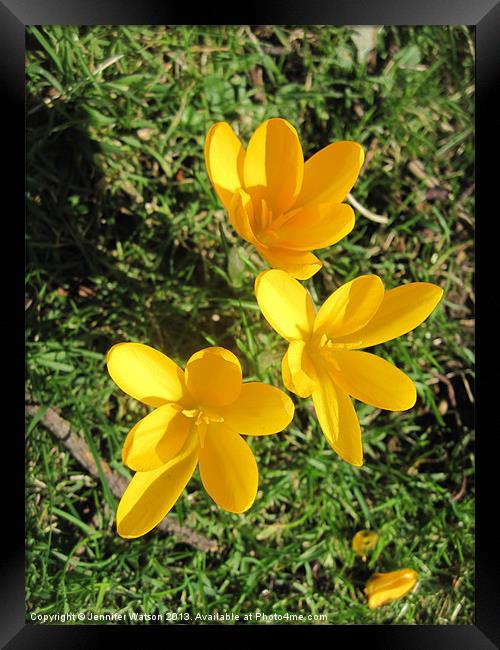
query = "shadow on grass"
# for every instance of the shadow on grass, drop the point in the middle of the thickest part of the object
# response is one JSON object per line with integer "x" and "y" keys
{"x": 77, "y": 227}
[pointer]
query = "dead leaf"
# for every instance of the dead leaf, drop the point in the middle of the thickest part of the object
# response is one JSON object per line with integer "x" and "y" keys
{"x": 436, "y": 193}
{"x": 365, "y": 40}
{"x": 145, "y": 134}
{"x": 417, "y": 169}
{"x": 85, "y": 292}
{"x": 258, "y": 81}
{"x": 394, "y": 444}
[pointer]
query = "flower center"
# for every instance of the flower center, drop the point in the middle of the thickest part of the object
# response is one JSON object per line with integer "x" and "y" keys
{"x": 202, "y": 417}
{"x": 321, "y": 347}
{"x": 263, "y": 218}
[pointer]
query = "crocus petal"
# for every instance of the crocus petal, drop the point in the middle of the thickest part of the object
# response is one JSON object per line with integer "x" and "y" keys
{"x": 241, "y": 215}
{"x": 301, "y": 369}
{"x": 274, "y": 165}
{"x": 312, "y": 227}
{"x": 372, "y": 380}
{"x": 228, "y": 469}
{"x": 145, "y": 373}
{"x": 299, "y": 264}
{"x": 285, "y": 304}
{"x": 383, "y": 587}
{"x": 224, "y": 155}
{"x": 156, "y": 439}
{"x": 401, "y": 310}
{"x": 259, "y": 410}
{"x": 338, "y": 419}
{"x": 330, "y": 174}
{"x": 150, "y": 495}
{"x": 214, "y": 377}
{"x": 287, "y": 375}
{"x": 349, "y": 307}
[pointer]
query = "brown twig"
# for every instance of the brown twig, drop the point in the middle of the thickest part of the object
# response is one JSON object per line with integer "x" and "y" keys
{"x": 449, "y": 385}
{"x": 461, "y": 491}
{"x": 76, "y": 445}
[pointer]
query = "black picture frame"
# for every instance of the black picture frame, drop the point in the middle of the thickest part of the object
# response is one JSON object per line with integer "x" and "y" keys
{"x": 15, "y": 15}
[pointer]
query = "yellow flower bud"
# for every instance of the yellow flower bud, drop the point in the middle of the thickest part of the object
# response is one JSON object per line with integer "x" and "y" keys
{"x": 363, "y": 542}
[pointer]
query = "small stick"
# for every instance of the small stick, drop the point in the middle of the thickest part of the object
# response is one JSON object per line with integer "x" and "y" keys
{"x": 365, "y": 212}
{"x": 461, "y": 492}
{"x": 78, "y": 448}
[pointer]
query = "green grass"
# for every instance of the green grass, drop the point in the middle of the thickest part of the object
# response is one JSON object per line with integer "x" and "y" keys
{"x": 127, "y": 241}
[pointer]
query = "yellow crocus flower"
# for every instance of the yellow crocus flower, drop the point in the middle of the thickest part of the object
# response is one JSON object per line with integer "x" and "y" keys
{"x": 198, "y": 418}
{"x": 363, "y": 542}
{"x": 324, "y": 358}
{"x": 285, "y": 208}
{"x": 383, "y": 587}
